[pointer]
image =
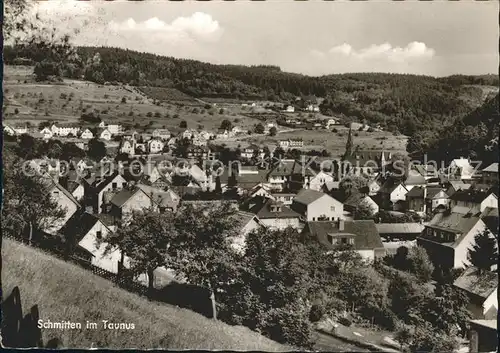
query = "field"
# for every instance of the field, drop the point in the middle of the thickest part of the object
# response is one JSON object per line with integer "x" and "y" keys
{"x": 64, "y": 291}
{"x": 28, "y": 101}
{"x": 153, "y": 107}
{"x": 334, "y": 142}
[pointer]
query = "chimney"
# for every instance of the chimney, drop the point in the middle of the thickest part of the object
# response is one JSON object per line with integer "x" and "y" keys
{"x": 341, "y": 224}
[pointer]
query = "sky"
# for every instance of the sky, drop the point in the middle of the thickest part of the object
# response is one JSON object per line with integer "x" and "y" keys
{"x": 437, "y": 38}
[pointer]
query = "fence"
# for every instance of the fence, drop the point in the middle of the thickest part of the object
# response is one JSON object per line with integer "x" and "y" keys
{"x": 124, "y": 280}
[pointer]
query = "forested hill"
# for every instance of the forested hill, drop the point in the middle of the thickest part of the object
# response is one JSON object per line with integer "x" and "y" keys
{"x": 405, "y": 103}
{"x": 475, "y": 136}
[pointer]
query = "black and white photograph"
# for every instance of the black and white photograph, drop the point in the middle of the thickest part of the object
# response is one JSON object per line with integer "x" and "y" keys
{"x": 250, "y": 175}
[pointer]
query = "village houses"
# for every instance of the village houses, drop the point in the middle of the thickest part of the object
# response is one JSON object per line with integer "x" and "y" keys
{"x": 449, "y": 235}
{"x": 360, "y": 236}
{"x": 86, "y": 134}
{"x": 314, "y": 205}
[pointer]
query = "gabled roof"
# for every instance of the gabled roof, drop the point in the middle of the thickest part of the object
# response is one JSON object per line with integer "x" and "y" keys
{"x": 454, "y": 222}
{"x": 470, "y": 196}
{"x": 51, "y": 185}
{"x": 492, "y": 168}
{"x": 79, "y": 224}
{"x": 162, "y": 198}
{"x": 400, "y": 228}
{"x": 390, "y": 185}
{"x": 124, "y": 195}
{"x": 479, "y": 284}
{"x": 418, "y": 192}
{"x": 263, "y": 209}
{"x": 251, "y": 180}
{"x": 414, "y": 178}
{"x": 365, "y": 233}
{"x": 355, "y": 199}
{"x": 308, "y": 196}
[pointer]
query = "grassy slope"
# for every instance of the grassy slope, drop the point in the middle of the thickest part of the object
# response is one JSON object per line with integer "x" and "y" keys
{"x": 66, "y": 292}
{"x": 24, "y": 94}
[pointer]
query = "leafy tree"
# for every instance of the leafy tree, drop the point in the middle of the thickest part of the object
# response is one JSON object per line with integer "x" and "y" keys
{"x": 259, "y": 128}
{"x": 149, "y": 241}
{"x": 274, "y": 286}
{"x": 484, "y": 253}
{"x": 183, "y": 124}
{"x": 226, "y": 125}
{"x": 407, "y": 297}
{"x": 363, "y": 211}
{"x": 207, "y": 258}
{"x": 96, "y": 149}
{"x": 124, "y": 100}
{"x": 447, "y": 309}
{"x": 424, "y": 338}
{"x": 273, "y": 131}
{"x": 28, "y": 205}
{"x": 419, "y": 263}
{"x": 28, "y": 147}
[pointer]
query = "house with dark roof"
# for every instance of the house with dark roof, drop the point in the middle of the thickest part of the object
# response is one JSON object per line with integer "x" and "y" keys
{"x": 289, "y": 174}
{"x": 481, "y": 288}
{"x": 427, "y": 199}
{"x": 128, "y": 200}
{"x": 165, "y": 200}
{"x": 489, "y": 175}
{"x": 427, "y": 171}
{"x": 449, "y": 235}
{"x": 359, "y": 199}
{"x": 314, "y": 205}
{"x": 365, "y": 162}
{"x": 472, "y": 198}
{"x": 274, "y": 214}
{"x": 87, "y": 233}
{"x": 361, "y": 236}
{"x": 400, "y": 231}
{"x": 98, "y": 184}
{"x": 455, "y": 185}
{"x": 393, "y": 195}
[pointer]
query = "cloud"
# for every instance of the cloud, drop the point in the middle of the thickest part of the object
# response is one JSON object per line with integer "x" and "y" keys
{"x": 198, "y": 26}
{"x": 385, "y": 51}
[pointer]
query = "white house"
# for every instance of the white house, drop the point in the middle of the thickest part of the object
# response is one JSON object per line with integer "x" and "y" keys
{"x": 163, "y": 134}
{"x": 65, "y": 201}
{"x": 105, "y": 135}
{"x": 290, "y": 109}
{"x": 115, "y": 129}
{"x": 361, "y": 236}
{"x": 87, "y": 134}
{"x": 473, "y": 199}
{"x": 46, "y": 133}
{"x": 155, "y": 146}
{"x": 314, "y": 205}
{"x": 318, "y": 181}
{"x": 448, "y": 237}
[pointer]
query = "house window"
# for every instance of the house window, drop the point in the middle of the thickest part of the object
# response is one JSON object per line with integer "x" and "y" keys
{"x": 56, "y": 193}
{"x": 114, "y": 185}
{"x": 332, "y": 208}
{"x": 314, "y": 218}
{"x": 98, "y": 234}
